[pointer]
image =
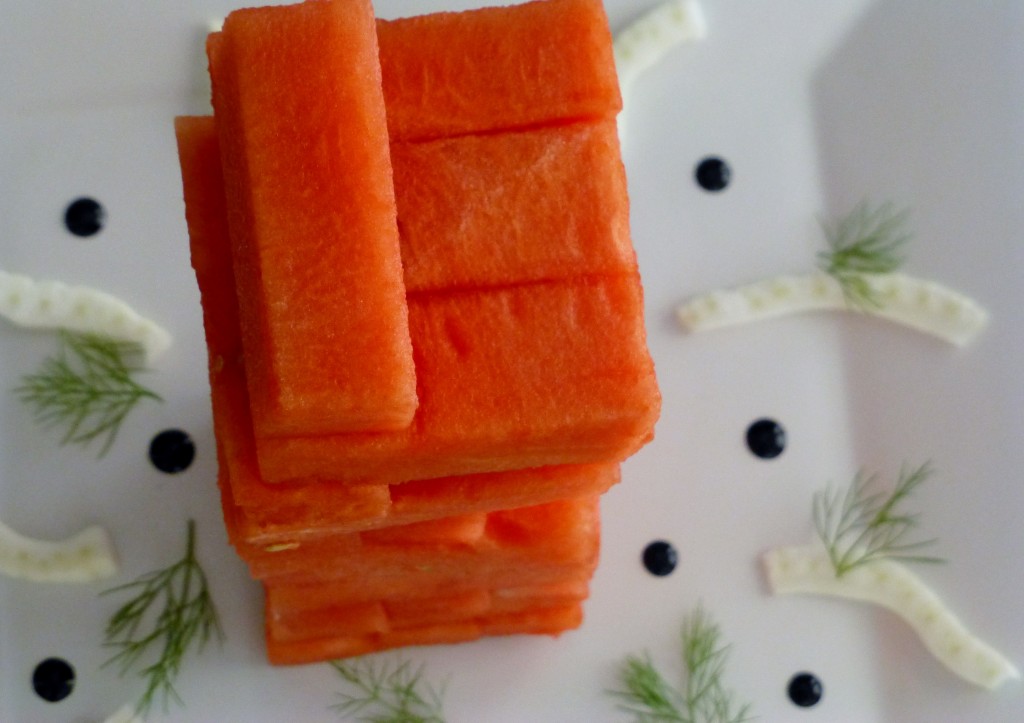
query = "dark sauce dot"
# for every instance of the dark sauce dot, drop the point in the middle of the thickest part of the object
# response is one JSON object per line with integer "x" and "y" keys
{"x": 660, "y": 558}
{"x": 84, "y": 217}
{"x": 53, "y": 679}
{"x": 766, "y": 438}
{"x": 805, "y": 690}
{"x": 713, "y": 174}
{"x": 172, "y": 451}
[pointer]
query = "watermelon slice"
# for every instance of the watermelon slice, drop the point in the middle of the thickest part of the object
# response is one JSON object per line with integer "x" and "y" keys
{"x": 552, "y": 620}
{"x": 555, "y": 536}
{"x": 311, "y": 211}
{"x": 522, "y": 376}
{"x": 508, "y": 208}
{"x": 206, "y": 217}
{"x": 499, "y": 68}
{"x": 413, "y": 614}
{"x": 295, "y": 598}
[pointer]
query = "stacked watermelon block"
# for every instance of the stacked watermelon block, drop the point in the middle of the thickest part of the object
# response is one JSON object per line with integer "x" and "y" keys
{"x": 423, "y": 314}
{"x": 523, "y": 570}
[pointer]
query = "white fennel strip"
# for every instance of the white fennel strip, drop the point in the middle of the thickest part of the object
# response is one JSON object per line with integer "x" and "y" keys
{"x": 84, "y": 557}
{"x": 891, "y": 585}
{"x": 56, "y": 305}
{"x": 923, "y": 305}
{"x": 645, "y": 41}
{"x": 124, "y": 714}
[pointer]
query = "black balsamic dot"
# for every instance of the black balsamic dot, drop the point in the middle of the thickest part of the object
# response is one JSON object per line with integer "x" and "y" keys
{"x": 84, "y": 217}
{"x": 172, "y": 451}
{"x": 766, "y": 438}
{"x": 713, "y": 174}
{"x": 805, "y": 690}
{"x": 53, "y": 679}
{"x": 660, "y": 558}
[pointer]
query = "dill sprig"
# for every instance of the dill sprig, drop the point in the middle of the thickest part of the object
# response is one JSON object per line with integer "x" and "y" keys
{"x": 87, "y": 388}
{"x": 704, "y": 699}
{"x": 172, "y": 611}
{"x": 865, "y": 241}
{"x": 858, "y": 527}
{"x": 388, "y": 693}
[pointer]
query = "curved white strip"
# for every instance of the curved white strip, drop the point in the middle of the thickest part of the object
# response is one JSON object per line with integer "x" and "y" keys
{"x": 922, "y": 305}
{"x": 646, "y": 40}
{"x": 55, "y": 305}
{"x": 84, "y": 557}
{"x": 887, "y": 583}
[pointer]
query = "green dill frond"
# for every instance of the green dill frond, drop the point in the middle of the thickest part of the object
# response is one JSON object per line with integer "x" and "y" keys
{"x": 171, "y": 612}
{"x": 866, "y": 241}
{"x": 649, "y": 698}
{"x": 388, "y": 693}
{"x": 646, "y": 694}
{"x": 858, "y": 526}
{"x": 87, "y": 388}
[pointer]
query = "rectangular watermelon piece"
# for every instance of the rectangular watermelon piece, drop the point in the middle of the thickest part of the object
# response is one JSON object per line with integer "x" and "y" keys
{"x": 293, "y": 515}
{"x": 409, "y": 614}
{"x": 207, "y": 221}
{"x": 562, "y": 535}
{"x": 327, "y": 501}
{"x": 522, "y": 376}
{"x": 378, "y": 617}
{"x": 312, "y": 217}
{"x": 317, "y": 650}
{"x": 317, "y": 595}
{"x": 553, "y": 620}
{"x": 510, "y": 208}
{"x": 328, "y": 509}
{"x": 497, "y": 68}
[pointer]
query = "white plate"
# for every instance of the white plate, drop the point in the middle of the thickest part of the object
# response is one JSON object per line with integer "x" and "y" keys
{"x": 815, "y": 106}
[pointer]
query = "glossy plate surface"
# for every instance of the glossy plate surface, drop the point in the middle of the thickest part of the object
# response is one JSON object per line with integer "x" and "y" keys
{"x": 814, "y": 106}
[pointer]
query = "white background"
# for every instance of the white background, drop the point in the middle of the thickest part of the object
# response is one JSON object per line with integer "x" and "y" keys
{"x": 815, "y": 106}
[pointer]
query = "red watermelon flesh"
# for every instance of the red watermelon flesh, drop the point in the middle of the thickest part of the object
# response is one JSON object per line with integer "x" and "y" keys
{"x": 522, "y": 376}
{"x": 557, "y": 535}
{"x": 274, "y": 512}
{"x": 408, "y": 614}
{"x": 552, "y": 373}
{"x": 497, "y": 68}
{"x": 311, "y": 211}
{"x": 552, "y": 620}
{"x": 510, "y": 208}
